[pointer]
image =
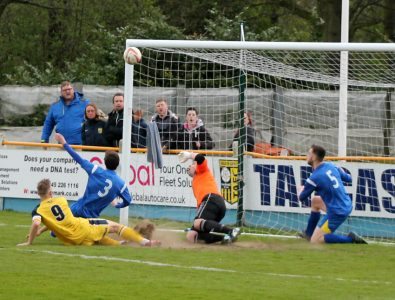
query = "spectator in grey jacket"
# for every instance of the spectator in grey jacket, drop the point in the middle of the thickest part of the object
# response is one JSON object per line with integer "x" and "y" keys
{"x": 168, "y": 124}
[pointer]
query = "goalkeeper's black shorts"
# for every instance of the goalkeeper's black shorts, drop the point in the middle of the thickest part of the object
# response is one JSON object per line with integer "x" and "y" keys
{"x": 212, "y": 208}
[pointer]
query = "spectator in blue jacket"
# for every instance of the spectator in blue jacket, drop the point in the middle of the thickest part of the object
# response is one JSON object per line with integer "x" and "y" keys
{"x": 67, "y": 115}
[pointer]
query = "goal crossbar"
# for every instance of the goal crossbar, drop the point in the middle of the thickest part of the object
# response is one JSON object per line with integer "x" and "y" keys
{"x": 237, "y": 45}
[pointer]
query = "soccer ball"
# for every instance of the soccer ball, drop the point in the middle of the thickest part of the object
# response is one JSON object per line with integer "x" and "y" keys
{"x": 132, "y": 55}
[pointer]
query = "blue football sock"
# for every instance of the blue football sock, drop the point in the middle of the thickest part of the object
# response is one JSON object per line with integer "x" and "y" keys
{"x": 332, "y": 238}
{"x": 312, "y": 222}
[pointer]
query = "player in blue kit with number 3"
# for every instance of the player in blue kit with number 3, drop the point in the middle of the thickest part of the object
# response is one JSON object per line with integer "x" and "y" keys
{"x": 103, "y": 185}
{"x": 331, "y": 196}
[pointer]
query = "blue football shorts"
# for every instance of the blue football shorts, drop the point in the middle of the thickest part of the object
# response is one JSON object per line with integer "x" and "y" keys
{"x": 329, "y": 224}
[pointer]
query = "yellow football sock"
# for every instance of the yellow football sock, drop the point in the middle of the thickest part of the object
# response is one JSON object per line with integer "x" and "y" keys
{"x": 107, "y": 241}
{"x": 130, "y": 234}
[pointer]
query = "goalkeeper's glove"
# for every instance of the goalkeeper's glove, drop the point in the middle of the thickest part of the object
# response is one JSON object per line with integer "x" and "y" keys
{"x": 183, "y": 156}
{"x": 122, "y": 204}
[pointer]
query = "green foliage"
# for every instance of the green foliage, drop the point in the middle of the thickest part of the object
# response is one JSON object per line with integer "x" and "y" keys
{"x": 36, "y": 118}
{"x": 221, "y": 27}
{"x": 83, "y": 40}
{"x": 101, "y": 63}
{"x": 87, "y": 50}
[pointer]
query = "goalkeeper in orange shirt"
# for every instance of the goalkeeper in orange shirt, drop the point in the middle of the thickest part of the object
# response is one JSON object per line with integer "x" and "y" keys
{"x": 56, "y": 215}
{"x": 210, "y": 204}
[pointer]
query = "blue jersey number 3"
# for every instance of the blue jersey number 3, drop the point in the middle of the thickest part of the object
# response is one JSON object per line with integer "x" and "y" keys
{"x": 106, "y": 189}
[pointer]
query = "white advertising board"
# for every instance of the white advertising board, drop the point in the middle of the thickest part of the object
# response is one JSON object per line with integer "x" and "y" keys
{"x": 21, "y": 170}
{"x": 270, "y": 185}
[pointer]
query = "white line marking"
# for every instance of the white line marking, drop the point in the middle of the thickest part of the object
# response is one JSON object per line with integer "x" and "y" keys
{"x": 17, "y": 225}
{"x": 136, "y": 261}
{"x": 200, "y": 268}
{"x": 318, "y": 277}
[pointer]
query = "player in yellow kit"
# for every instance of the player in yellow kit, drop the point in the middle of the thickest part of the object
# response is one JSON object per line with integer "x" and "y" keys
{"x": 56, "y": 215}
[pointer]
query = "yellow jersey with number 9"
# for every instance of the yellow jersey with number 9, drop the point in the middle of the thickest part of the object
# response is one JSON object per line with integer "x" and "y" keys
{"x": 55, "y": 213}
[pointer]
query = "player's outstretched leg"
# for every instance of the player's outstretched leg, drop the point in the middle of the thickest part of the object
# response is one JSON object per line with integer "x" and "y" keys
{"x": 325, "y": 232}
{"x": 130, "y": 234}
{"x": 213, "y": 227}
{"x": 203, "y": 225}
{"x": 352, "y": 237}
{"x": 107, "y": 241}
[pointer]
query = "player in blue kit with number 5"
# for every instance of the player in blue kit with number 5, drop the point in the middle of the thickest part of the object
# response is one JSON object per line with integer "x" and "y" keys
{"x": 331, "y": 196}
{"x": 103, "y": 185}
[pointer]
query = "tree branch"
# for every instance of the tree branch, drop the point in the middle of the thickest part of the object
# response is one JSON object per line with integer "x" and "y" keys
{"x": 359, "y": 8}
{"x": 289, "y": 5}
{"x": 5, "y": 3}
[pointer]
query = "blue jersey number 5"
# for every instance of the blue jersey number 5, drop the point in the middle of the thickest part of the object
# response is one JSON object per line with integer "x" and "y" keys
{"x": 333, "y": 179}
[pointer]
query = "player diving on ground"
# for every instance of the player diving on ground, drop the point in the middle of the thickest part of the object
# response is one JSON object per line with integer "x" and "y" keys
{"x": 210, "y": 204}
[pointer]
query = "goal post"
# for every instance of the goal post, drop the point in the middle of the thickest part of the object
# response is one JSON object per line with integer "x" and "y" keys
{"x": 240, "y": 149}
{"x": 292, "y": 91}
{"x": 127, "y": 131}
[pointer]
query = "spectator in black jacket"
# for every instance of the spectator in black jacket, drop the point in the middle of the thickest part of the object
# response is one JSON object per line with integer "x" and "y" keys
{"x": 115, "y": 121}
{"x": 168, "y": 124}
{"x": 93, "y": 128}
{"x": 250, "y": 131}
{"x": 193, "y": 135}
{"x": 114, "y": 130}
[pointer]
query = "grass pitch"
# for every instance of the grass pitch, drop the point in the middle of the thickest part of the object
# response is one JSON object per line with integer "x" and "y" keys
{"x": 252, "y": 268}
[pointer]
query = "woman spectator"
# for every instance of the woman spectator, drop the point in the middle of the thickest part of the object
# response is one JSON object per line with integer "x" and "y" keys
{"x": 250, "y": 139}
{"x": 93, "y": 127}
{"x": 193, "y": 135}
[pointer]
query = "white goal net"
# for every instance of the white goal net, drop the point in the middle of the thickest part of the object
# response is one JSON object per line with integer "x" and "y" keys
{"x": 291, "y": 100}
